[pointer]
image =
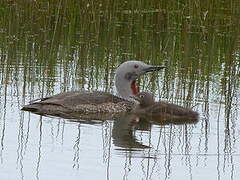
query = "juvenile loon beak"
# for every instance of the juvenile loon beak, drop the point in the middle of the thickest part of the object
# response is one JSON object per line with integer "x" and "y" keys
{"x": 153, "y": 68}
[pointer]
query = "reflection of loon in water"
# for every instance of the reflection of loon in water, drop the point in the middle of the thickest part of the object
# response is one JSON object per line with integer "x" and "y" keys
{"x": 125, "y": 129}
{"x": 147, "y": 107}
{"x": 126, "y": 126}
{"x": 96, "y": 101}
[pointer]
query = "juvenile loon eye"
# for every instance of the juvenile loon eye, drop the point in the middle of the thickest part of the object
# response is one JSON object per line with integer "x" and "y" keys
{"x": 141, "y": 96}
{"x": 135, "y": 66}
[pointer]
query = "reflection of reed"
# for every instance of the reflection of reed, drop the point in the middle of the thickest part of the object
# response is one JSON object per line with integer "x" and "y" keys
{"x": 39, "y": 149}
{"x": 230, "y": 93}
{"x": 20, "y": 148}
{"x": 160, "y": 157}
{"x": 3, "y": 121}
{"x": 76, "y": 148}
{"x": 107, "y": 141}
{"x": 106, "y": 137}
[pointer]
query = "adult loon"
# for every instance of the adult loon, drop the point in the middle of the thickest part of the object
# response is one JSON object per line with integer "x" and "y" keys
{"x": 96, "y": 101}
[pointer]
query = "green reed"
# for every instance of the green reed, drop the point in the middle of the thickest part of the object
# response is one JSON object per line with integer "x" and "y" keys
{"x": 88, "y": 39}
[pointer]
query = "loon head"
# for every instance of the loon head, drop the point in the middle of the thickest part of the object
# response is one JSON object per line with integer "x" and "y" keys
{"x": 144, "y": 99}
{"x": 126, "y": 75}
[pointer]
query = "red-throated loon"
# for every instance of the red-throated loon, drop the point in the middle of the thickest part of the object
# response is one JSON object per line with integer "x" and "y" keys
{"x": 162, "y": 110}
{"x": 96, "y": 101}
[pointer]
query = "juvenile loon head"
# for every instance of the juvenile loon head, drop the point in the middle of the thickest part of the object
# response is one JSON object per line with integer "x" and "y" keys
{"x": 126, "y": 75}
{"x": 144, "y": 99}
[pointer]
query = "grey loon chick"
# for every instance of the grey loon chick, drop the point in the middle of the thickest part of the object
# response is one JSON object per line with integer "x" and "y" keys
{"x": 96, "y": 101}
{"x": 162, "y": 110}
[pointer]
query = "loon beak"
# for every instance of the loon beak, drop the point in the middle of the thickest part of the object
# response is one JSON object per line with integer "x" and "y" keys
{"x": 153, "y": 68}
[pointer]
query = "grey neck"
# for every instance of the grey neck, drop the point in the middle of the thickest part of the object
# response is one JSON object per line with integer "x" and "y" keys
{"x": 123, "y": 87}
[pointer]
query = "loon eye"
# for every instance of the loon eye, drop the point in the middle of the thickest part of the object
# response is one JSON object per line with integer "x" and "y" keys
{"x": 141, "y": 96}
{"x": 135, "y": 66}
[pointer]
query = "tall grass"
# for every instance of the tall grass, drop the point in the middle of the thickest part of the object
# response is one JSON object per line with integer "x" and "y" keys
{"x": 86, "y": 40}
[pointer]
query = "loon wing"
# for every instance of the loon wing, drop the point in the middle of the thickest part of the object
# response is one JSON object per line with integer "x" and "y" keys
{"x": 76, "y": 101}
{"x": 80, "y": 97}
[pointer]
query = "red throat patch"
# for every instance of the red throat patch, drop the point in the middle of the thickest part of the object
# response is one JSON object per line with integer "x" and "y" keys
{"x": 134, "y": 88}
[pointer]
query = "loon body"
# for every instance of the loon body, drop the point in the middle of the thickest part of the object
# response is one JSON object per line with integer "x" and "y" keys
{"x": 147, "y": 107}
{"x": 96, "y": 101}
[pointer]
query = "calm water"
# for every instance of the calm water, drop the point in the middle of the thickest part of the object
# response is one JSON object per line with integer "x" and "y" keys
{"x": 47, "y": 48}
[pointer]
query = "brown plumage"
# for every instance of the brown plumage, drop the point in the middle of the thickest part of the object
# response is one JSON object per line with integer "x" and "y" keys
{"x": 91, "y": 102}
{"x": 147, "y": 107}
